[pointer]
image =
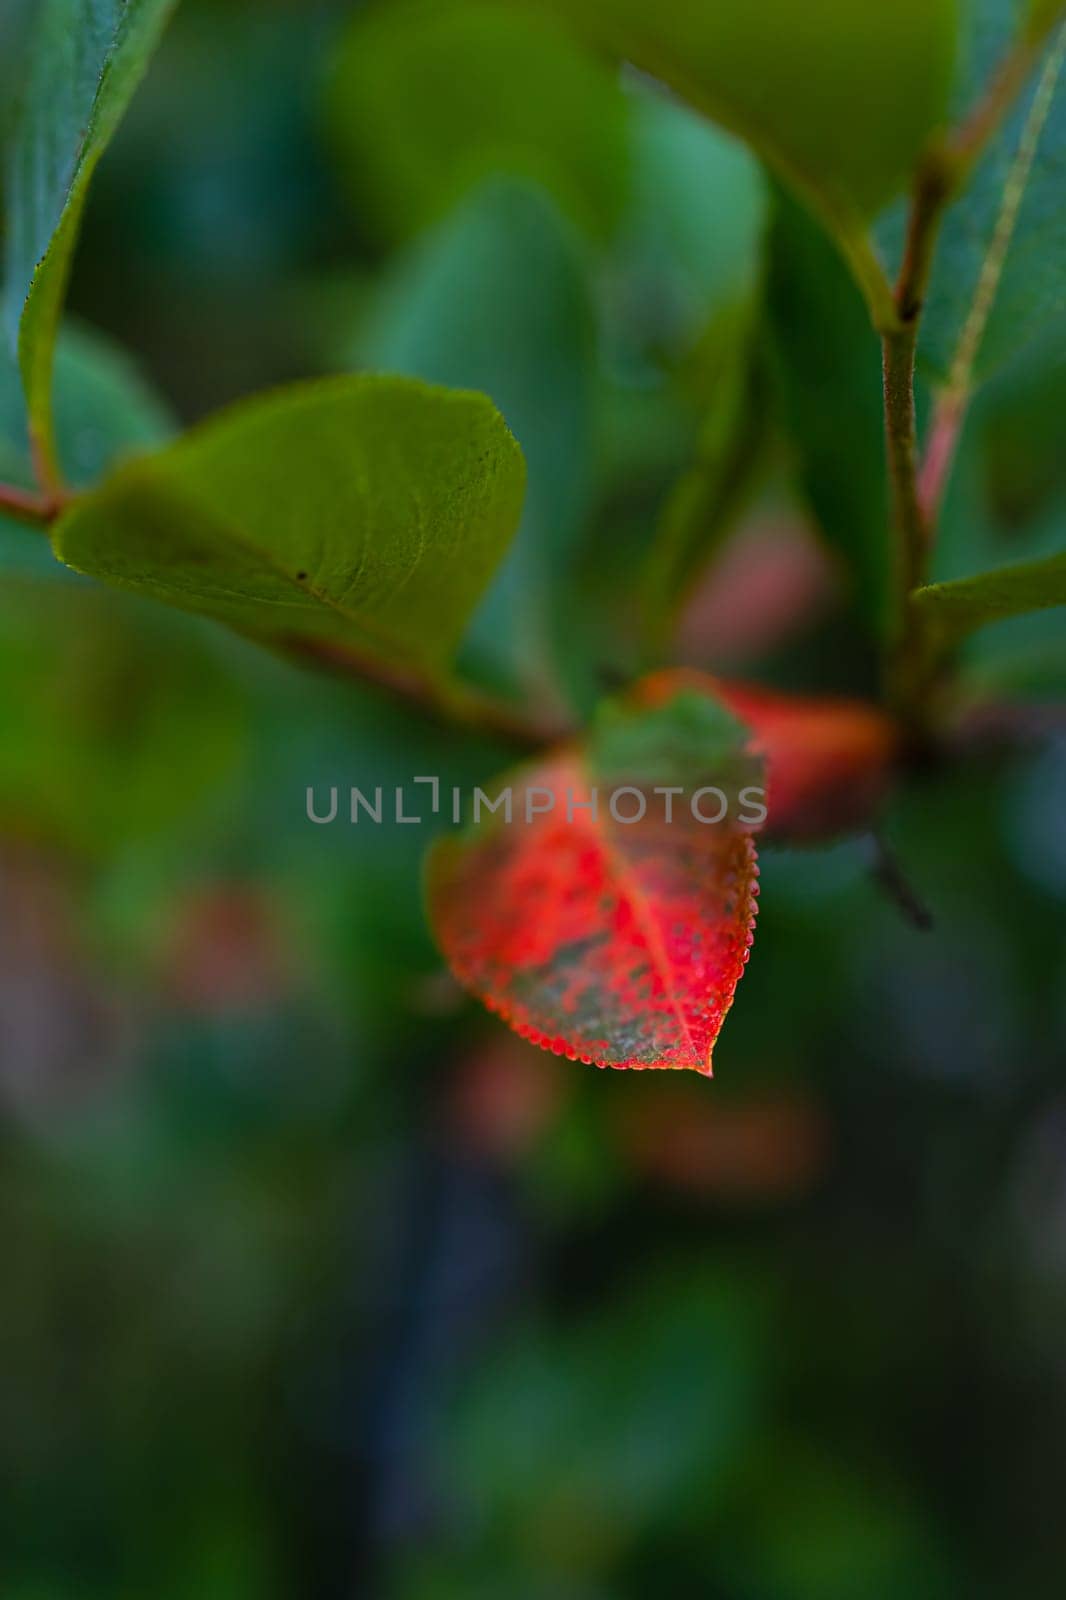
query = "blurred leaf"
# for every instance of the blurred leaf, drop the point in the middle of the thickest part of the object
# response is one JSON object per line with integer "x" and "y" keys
{"x": 85, "y": 59}
{"x": 706, "y": 500}
{"x": 1018, "y": 441}
{"x": 951, "y": 610}
{"x": 1041, "y": 16}
{"x": 763, "y": 1146}
{"x": 829, "y": 364}
{"x": 690, "y": 243}
{"x": 828, "y": 760}
{"x": 14, "y": 32}
{"x": 1005, "y": 509}
{"x": 356, "y": 511}
{"x": 496, "y": 299}
{"x": 1005, "y": 497}
{"x": 677, "y": 356}
{"x": 1012, "y": 267}
{"x": 839, "y": 99}
{"x": 578, "y": 1438}
{"x": 813, "y": 1527}
{"x": 104, "y": 410}
{"x": 616, "y": 937}
{"x": 426, "y": 99}
{"x": 114, "y": 726}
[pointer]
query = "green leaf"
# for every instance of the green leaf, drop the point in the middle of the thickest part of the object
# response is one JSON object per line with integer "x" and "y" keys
{"x": 691, "y": 242}
{"x": 829, "y": 365}
{"x": 84, "y": 60}
{"x": 1041, "y": 16}
{"x": 1006, "y": 496}
{"x": 428, "y": 99}
{"x": 681, "y": 415}
{"x": 999, "y": 279}
{"x": 619, "y": 1411}
{"x": 708, "y": 497}
{"x": 951, "y": 610}
{"x": 360, "y": 512}
{"x": 839, "y": 98}
{"x": 497, "y": 299}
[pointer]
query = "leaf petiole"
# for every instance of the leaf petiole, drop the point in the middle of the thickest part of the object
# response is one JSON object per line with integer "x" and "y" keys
{"x": 29, "y": 506}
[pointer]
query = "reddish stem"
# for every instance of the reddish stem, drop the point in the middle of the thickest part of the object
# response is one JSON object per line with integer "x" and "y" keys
{"x": 29, "y": 505}
{"x": 940, "y": 445}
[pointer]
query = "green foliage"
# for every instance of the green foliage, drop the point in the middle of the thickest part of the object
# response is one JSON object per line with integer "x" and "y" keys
{"x": 708, "y": 497}
{"x": 84, "y": 60}
{"x": 115, "y": 728}
{"x": 696, "y": 217}
{"x": 104, "y": 410}
{"x": 358, "y": 511}
{"x": 1010, "y": 211}
{"x": 814, "y": 88}
{"x": 101, "y": 709}
{"x": 1041, "y": 16}
{"x": 829, "y": 367}
{"x": 429, "y": 98}
{"x": 955, "y": 609}
{"x": 690, "y": 739}
{"x": 551, "y": 1410}
{"x": 496, "y": 299}
{"x": 104, "y": 407}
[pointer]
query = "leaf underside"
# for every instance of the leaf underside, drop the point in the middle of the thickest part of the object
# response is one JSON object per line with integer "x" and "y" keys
{"x": 813, "y": 87}
{"x": 617, "y": 944}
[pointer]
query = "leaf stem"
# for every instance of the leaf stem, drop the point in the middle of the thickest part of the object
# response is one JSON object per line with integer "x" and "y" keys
{"x": 37, "y": 509}
{"x": 460, "y": 704}
{"x": 456, "y": 703}
{"x": 888, "y": 872}
{"x": 913, "y": 528}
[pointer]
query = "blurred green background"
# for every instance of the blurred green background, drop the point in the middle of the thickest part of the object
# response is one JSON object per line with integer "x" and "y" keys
{"x": 315, "y": 1281}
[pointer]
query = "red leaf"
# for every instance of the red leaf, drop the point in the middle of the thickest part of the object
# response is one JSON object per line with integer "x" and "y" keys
{"x": 828, "y": 761}
{"x": 621, "y": 943}
{"x": 609, "y": 942}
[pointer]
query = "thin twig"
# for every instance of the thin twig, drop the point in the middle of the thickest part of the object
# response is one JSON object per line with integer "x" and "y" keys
{"x": 455, "y": 703}
{"x": 458, "y": 704}
{"x": 898, "y": 350}
{"x": 949, "y": 411}
{"x": 901, "y": 440}
{"x": 898, "y": 347}
{"x": 932, "y": 190}
{"x": 30, "y": 506}
{"x": 888, "y": 873}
